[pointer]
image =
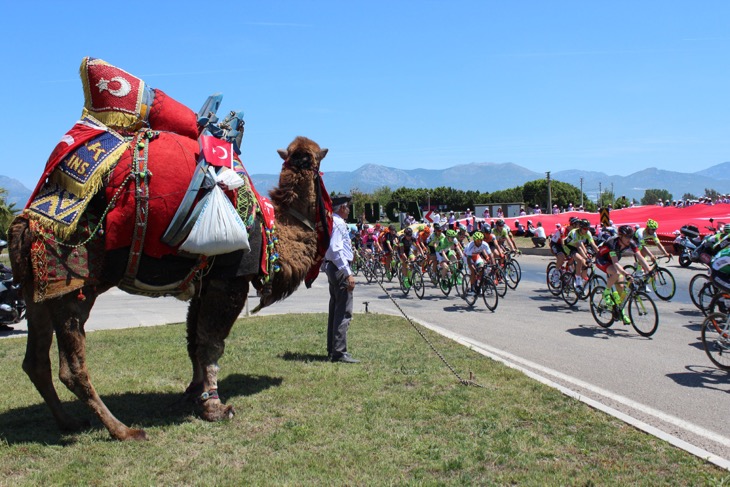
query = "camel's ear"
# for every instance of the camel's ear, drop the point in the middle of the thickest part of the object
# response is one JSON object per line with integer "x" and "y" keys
{"x": 282, "y": 153}
{"x": 323, "y": 153}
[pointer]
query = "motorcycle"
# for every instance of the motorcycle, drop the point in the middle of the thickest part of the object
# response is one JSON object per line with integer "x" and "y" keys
{"x": 12, "y": 305}
{"x": 693, "y": 247}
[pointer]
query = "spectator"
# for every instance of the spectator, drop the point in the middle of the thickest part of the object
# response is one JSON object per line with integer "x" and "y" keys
{"x": 519, "y": 229}
{"x": 341, "y": 282}
{"x": 539, "y": 238}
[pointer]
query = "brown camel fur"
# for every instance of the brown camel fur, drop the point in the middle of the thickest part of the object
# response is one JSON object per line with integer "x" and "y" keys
{"x": 211, "y": 313}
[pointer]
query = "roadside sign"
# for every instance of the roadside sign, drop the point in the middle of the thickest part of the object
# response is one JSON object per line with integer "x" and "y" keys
{"x": 604, "y": 216}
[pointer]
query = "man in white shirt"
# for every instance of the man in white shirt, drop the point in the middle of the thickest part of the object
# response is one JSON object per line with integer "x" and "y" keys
{"x": 341, "y": 282}
{"x": 539, "y": 238}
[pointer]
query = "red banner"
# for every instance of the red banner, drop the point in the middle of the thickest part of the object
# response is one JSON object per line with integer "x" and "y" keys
{"x": 669, "y": 218}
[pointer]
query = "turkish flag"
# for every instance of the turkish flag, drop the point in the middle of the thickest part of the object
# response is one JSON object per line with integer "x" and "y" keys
{"x": 216, "y": 151}
{"x": 112, "y": 88}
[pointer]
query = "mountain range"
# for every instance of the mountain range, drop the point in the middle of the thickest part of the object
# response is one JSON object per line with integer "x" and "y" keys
{"x": 489, "y": 177}
{"x": 486, "y": 177}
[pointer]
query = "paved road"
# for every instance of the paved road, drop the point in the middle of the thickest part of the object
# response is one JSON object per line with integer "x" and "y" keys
{"x": 665, "y": 381}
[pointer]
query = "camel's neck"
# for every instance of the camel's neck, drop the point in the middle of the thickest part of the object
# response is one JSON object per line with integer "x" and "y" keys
{"x": 295, "y": 203}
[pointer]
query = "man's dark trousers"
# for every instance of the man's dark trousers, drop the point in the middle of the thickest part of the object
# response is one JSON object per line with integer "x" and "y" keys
{"x": 340, "y": 311}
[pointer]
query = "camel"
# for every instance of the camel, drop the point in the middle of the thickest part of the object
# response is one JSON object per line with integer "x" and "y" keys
{"x": 211, "y": 313}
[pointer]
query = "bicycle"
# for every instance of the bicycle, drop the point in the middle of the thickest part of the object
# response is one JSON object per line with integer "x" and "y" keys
{"x": 716, "y": 339}
{"x": 484, "y": 287}
{"x": 412, "y": 278}
{"x": 453, "y": 279}
{"x": 701, "y": 291}
{"x": 662, "y": 280}
{"x": 643, "y": 312}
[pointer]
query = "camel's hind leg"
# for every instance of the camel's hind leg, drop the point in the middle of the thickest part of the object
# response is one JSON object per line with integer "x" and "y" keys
{"x": 37, "y": 363}
{"x": 69, "y": 316}
{"x": 210, "y": 318}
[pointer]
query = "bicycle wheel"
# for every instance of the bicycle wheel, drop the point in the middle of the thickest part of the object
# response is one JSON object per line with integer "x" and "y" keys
{"x": 471, "y": 296}
{"x": 445, "y": 284}
{"x": 720, "y": 303}
{"x": 512, "y": 275}
{"x": 489, "y": 295}
{"x": 368, "y": 271}
{"x": 355, "y": 266}
{"x": 601, "y": 311}
{"x": 695, "y": 285}
{"x": 517, "y": 266}
{"x": 459, "y": 278}
{"x": 403, "y": 281}
{"x": 643, "y": 313}
{"x": 595, "y": 280}
{"x": 419, "y": 288}
{"x": 716, "y": 339}
{"x": 663, "y": 284}
{"x": 568, "y": 291}
{"x": 552, "y": 277}
{"x": 705, "y": 296}
{"x": 499, "y": 281}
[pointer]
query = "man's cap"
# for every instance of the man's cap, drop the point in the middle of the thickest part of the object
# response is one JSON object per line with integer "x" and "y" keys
{"x": 341, "y": 199}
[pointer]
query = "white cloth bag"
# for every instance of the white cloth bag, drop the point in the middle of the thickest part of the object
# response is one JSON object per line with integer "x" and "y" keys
{"x": 219, "y": 229}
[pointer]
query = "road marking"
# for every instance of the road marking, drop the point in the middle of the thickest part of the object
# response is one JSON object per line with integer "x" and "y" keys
{"x": 514, "y": 362}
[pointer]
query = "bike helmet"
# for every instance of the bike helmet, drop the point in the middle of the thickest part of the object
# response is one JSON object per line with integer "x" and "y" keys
{"x": 436, "y": 226}
{"x": 652, "y": 224}
{"x": 462, "y": 228}
{"x": 478, "y": 236}
{"x": 573, "y": 220}
{"x": 408, "y": 231}
{"x": 626, "y": 230}
{"x": 371, "y": 231}
{"x": 391, "y": 228}
{"x": 421, "y": 228}
{"x": 451, "y": 233}
{"x": 726, "y": 228}
{"x": 486, "y": 228}
{"x": 584, "y": 223}
{"x": 500, "y": 223}
{"x": 529, "y": 222}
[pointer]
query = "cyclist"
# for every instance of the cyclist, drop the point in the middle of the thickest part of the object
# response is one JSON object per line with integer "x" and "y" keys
{"x": 390, "y": 244}
{"x": 645, "y": 236}
{"x": 720, "y": 268}
{"x": 407, "y": 250}
{"x": 439, "y": 244}
{"x": 504, "y": 236}
{"x": 574, "y": 247}
{"x": 557, "y": 238}
{"x": 477, "y": 253}
{"x": 607, "y": 259}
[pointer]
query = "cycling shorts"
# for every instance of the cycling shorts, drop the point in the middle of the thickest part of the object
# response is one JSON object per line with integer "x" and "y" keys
{"x": 556, "y": 248}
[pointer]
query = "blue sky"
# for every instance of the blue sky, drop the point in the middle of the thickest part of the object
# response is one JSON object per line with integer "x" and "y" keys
{"x": 614, "y": 86}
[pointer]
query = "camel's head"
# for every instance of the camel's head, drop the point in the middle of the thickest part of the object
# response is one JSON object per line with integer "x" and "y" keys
{"x": 303, "y": 154}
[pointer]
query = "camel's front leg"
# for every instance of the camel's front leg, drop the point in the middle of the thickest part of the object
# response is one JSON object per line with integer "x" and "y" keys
{"x": 37, "y": 362}
{"x": 210, "y": 319}
{"x": 68, "y": 320}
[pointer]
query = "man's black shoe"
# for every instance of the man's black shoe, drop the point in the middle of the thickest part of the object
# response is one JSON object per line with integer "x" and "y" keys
{"x": 346, "y": 358}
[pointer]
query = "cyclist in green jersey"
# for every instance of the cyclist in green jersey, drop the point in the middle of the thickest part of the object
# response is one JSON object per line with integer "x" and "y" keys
{"x": 644, "y": 236}
{"x": 504, "y": 235}
{"x": 574, "y": 246}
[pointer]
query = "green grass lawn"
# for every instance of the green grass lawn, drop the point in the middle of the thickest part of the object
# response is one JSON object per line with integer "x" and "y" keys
{"x": 399, "y": 417}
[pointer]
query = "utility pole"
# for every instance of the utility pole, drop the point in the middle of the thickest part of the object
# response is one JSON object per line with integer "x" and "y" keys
{"x": 581, "y": 191}
{"x": 550, "y": 195}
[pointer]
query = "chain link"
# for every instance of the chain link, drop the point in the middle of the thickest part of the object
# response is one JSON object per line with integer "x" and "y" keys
{"x": 466, "y": 382}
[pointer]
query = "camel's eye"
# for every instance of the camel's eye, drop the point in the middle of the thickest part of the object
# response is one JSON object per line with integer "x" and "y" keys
{"x": 302, "y": 160}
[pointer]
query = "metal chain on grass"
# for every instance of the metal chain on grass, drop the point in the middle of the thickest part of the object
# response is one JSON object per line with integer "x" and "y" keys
{"x": 466, "y": 382}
